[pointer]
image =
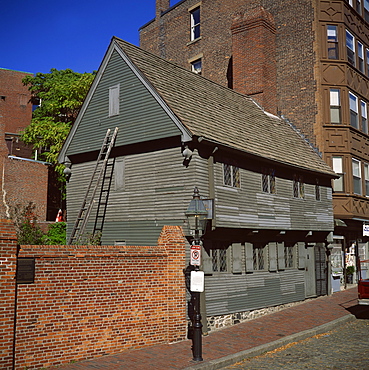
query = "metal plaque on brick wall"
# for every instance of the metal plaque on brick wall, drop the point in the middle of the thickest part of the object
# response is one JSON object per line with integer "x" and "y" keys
{"x": 25, "y": 270}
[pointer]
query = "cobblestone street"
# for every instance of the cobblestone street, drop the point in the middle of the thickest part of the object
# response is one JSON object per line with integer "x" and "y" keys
{"x": 344, "y": 348}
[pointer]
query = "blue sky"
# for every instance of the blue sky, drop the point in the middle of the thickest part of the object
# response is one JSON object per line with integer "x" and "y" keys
{"x": 38, "y": 36}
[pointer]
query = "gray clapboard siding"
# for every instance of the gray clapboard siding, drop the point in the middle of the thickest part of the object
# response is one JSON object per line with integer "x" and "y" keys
{"x": 157, "y": 190}
{"x": 249, "y": 207}
{"x": 141, "y": 117}
{"x": 229, "y": 293}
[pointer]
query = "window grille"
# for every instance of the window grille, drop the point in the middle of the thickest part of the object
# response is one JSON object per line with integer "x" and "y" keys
{"x": 268, "y": 181}
{"x": 259, "y": 255}
{"x": 219, "y": 259}
{"x": 231, "y": 175}
{"x": 289, "y": 252}
{"x": 298, "y": 187}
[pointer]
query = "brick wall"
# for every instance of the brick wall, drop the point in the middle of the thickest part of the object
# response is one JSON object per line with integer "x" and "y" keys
{"x": 91, "y": 301}
{"x": 169, "y": 37}
{"x": 254, "y": 73}
{"x": 8, "y": 252}
{"x": 15, "y": 106}
{"x": 23, "y": 182}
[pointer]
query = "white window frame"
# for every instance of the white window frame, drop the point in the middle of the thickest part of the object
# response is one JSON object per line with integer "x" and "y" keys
{"x": 353, "y": 103}
{"x": 366, "y": 10}
{"x": 196, "y": 66}
{"x": 366, "y": 179}
{"x": 350, "y": 47}
{"x": 114, "y": 92}
{"x": 335, "y": 105}
{"x": 364, "y": 117}
{"x": 360, "y": 55}
{"x": 356, "y": 175}
{"x": 195, "y": 23}
{"x": 332, "y": 39}
{"x": 337, "y": 165}
{"x": 367, "y": 62}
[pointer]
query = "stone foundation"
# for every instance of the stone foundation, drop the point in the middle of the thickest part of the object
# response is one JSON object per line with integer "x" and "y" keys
{"x": 222, "y": 321}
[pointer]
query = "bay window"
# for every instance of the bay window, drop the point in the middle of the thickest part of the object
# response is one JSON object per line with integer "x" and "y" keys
{"x": 337, "y": 164}
{"x": 356, "y": 174}
{"x": 353, "y": 110}
{"x": 350, "y": 47}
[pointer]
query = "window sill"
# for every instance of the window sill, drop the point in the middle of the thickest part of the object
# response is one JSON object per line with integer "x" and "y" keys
{"x": 193, "y": 41}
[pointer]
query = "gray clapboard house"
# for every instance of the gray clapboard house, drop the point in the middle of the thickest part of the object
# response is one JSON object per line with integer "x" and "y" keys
{"x": 272, "y": 213}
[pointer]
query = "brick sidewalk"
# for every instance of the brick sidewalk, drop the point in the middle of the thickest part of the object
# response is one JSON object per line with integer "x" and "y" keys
{"x": 231, "y": 341}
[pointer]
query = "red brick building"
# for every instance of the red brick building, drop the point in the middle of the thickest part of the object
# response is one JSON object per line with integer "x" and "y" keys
{"x": 22, "y": 180}
{"x": 307, "y": 61}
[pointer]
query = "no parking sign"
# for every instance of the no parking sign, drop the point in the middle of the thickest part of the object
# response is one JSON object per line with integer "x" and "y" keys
{"x": 195, "y": 255}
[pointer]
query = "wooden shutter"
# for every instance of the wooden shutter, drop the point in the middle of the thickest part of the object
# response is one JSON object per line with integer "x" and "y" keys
{"x": 249, "y": 257}
{"x": 301, "y": 255}
{"x": 281, "y": 260}
{"x": 236, "y": 258}
{"x": 207, "y": 264}
{"x": 272, "y": 256}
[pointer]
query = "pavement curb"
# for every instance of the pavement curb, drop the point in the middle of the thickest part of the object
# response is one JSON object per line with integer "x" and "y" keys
{"x": 256, "y": 351}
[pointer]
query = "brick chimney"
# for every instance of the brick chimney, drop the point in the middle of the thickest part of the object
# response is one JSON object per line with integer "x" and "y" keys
{"x": 161, "y": 6}
{"x": 254, "y": 57}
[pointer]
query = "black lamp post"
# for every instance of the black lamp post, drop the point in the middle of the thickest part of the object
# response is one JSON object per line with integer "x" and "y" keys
{"x": 197, "y": 216}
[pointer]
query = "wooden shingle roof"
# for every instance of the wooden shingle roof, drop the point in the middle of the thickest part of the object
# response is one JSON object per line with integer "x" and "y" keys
{"x": 222, "y": 115}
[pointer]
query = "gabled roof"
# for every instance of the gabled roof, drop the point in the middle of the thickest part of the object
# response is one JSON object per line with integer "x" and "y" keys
{"x": 222, "y": 115}
{"x": 216, "y": 113}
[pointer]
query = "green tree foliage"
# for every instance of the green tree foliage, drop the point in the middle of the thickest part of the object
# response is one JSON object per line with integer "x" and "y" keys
{"x": 29, "y": 231}
{"x": 60, "y": 95}
{"x": 56, "y": 234}
{"x": 25, "y": 221}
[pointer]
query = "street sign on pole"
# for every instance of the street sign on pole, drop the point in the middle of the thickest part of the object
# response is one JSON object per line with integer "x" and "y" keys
{"x": 195, "y": 255}
{"x": 197, "y": 281}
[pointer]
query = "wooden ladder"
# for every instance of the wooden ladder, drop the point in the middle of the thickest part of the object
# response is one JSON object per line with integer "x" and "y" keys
{"x": 100, "y": 172}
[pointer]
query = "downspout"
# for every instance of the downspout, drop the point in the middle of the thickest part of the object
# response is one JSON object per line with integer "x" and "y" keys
{"x": 7, "y": 213}
{"x": 212, "y": 187}
{"x": 15, "y": 307}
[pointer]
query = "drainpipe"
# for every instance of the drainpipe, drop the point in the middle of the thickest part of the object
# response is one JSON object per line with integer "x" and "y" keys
{"x": 15, "y": 307}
